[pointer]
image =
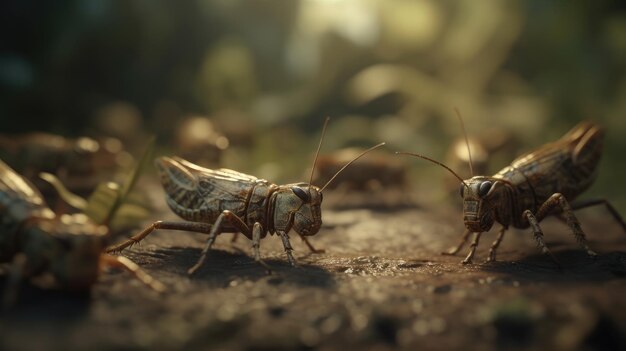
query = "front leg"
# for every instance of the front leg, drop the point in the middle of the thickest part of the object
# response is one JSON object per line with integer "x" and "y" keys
{"x": 558, "y": 199}
{"x": 496, "y": 243}
{"x": 473, "y": 247}
{"x": 288, "y": 248}
{"x": 225, "y": 217}
{"x": 453, "y": 250}
{"x": 311, "y": 247}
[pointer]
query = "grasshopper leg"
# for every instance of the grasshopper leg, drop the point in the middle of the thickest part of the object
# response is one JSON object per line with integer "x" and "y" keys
{"x": 287, "y": 246}
{"x": 12, "y": 287}
{"x": 558, "y": 199}
{"x": 473, "y": 247}
{"x": 257, "y": 229}
{"x": 538, "y": 234}
{"x": 186, "y": 226}
{"x": 231, "y": 219}
{"x": 311, "y": 247}
{"x": 131, "y": 267}
{"x": 495, "y": 244}
{"x": 589, "y": 203}
{"x": 453, "y": 250}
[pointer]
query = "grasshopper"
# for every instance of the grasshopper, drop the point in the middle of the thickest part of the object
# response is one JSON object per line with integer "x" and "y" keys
{"x": 80, "y": 162}
{"x": 40, "y": 244}
{"x": 537, "y": 184}
{"x": 223, "y": 200}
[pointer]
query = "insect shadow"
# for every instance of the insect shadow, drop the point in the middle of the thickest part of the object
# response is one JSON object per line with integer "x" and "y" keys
{"x": 224, "y": 265}
{"x": 575, "y": 266}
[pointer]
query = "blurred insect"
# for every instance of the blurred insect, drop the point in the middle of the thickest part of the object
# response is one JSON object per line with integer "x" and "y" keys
{"x": 376, "y": 172}
{"x": 199, "y": 141}
{"x": 65, "y": 249}
{"x": 493, "y": 146}
{"x": 376, "y": 181}
{"x": 223, "y": 200}
{"x": 535, "y": 185}
{"x": 80, "y": 162}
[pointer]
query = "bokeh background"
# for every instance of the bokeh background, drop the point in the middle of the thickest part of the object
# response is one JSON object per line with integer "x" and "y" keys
{"x": 266, "y": 73}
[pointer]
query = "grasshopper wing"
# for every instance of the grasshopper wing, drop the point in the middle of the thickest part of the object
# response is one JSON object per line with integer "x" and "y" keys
{"x": 225, "y": 173}
{"x": 198, "y": 193}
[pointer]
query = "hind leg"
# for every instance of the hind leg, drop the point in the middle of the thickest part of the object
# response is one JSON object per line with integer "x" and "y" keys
{"x": 538, "y": 234}
{"x": 225, "y": 218}
{"x": 595, "y": 202}
{"x": 185, "y": 226}
{"x": 558, "y": 200}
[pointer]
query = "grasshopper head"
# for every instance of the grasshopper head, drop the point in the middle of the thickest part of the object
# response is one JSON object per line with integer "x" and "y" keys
{"x": 477, "y": 194}
{"x": 302, "y": 201}
{"x": 69, "y": 249}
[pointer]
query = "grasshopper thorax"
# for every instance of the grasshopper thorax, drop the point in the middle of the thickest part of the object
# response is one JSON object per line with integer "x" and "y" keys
{"x": 478, "y": 211}
{"x": 298, "y": 206}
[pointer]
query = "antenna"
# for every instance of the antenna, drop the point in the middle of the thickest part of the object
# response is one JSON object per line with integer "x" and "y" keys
{"x": 435, "y": 162}
{"x": 469, "y": 153}
{"x": 318, "y": 149}
{"x": 349, "y": 163}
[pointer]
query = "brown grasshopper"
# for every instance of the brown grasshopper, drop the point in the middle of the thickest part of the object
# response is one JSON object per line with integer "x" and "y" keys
{"x": 223, "y": 200}
{"x": 40, "y": 244}
{"x": 535, "y": 185}
{"x": 80, "y": 162}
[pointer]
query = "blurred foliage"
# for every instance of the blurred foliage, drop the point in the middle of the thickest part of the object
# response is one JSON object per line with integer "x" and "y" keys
{"x": 267, "y": 72}
{"x": 111, "y": 204}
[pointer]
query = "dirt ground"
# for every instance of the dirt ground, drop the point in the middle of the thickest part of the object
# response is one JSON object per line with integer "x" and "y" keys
{"x": 381, "y": 284}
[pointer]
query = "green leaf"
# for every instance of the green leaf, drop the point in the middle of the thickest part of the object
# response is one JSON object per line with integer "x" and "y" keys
{"x": 130, "y": 182}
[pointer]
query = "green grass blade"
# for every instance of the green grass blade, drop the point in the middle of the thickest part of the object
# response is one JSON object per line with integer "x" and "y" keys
{"x": 131, "y": 180}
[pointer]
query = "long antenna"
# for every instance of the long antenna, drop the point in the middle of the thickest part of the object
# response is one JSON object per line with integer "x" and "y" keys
{"x": 318, "y": 149}
{"x": 435, "y": 162}
{"x": 469, "y": 153}
{"x": 349, "y": 163}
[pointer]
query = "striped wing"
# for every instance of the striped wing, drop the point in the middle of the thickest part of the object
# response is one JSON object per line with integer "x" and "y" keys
{"x": 192, "y": 189}
{"x": 567, "y": 165}
{"x": 224, "y": 173}
{"x": 224, "y": 184}
{"x": 583, "y": 143}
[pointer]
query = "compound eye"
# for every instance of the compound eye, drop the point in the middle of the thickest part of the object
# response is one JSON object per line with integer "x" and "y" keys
{"x": 462, "y": 190}
{"x": 301, "y": 194}
{"x": 484, "y": 188}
